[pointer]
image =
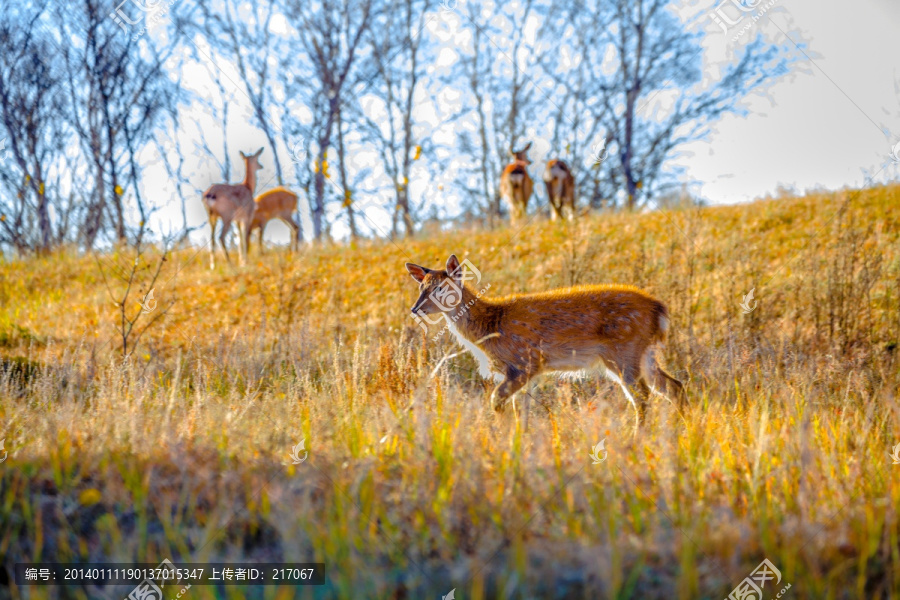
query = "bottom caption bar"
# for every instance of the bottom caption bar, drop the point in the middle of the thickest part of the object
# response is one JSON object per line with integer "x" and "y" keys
{"x": 155, "y": 576}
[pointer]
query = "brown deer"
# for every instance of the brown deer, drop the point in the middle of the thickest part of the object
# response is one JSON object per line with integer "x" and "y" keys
{"x": 232, "y": 202}
{"x": 615, "y": 329}
{"x": 560, "y": 190}
{"x": 278, "y": 203}
{"x": 516, "y": 185}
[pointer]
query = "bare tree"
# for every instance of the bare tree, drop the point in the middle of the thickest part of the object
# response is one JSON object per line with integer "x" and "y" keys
{"x": 635, "y": 94}
{"x": 247, "y": 40}
{"x": 127, "y": 329}
{"x": 116, "y": 86}
{"x": 331, "y": 35}
{"x": 500, "y": 73}
{"x": 397, "y": 45}
{"x": 34, "y": 143}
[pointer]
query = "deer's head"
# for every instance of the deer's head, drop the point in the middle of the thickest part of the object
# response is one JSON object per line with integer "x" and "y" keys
{"x": 439, "y": 291}
{"x": 521, "y": 155}
{"x": 252, "y": 161}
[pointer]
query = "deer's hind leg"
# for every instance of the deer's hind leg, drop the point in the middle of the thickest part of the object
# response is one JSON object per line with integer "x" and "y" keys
{"x": 223, "y": 238}
{"x": 633, "y": 382}
{"x": 261, "y": 249}
{"x": 633, "y": 386}
{"x": 555, "y": 208}
{"x": 244, "y": 240}
{"x": 662, "y": 382}
{"x": 295, "y": 232}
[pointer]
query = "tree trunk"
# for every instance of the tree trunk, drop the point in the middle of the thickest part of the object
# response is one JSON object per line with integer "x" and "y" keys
{"x": 348, "y": 194}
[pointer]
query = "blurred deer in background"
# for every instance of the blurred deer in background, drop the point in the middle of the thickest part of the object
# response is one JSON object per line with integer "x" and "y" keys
{"x": 232, "y": 202}
{"x": 516, "y": 185}
{"x": 614, "y": 329}
{"x": 279, "y": 203}
{"x": 560, "y": 190}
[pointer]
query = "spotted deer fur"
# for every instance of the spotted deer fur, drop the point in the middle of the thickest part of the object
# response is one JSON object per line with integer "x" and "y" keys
{"x": 615, "y": 329}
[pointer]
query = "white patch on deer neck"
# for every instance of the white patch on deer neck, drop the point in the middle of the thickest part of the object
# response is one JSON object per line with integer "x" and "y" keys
{"x": 484, "y": 363}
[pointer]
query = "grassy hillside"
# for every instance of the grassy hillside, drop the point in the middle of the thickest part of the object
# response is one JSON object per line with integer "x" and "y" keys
{"x": 413, "y": 486}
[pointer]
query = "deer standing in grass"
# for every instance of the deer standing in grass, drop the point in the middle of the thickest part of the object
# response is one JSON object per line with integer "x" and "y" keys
{"x": 516, "y": 185}
{"x": 615, "y": 329}
{"x": 560, "y": 190}
{"x": 278, "y": 203}
{"x": 232, "y": 202}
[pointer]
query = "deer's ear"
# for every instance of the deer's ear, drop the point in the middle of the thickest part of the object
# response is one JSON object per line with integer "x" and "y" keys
{"x": 258, "y": 152}
{"x": 242, "y": 154}
{"x": 453, "y": 266}
{"x": 418, "y": 273}
{"x": 527, "y": 147}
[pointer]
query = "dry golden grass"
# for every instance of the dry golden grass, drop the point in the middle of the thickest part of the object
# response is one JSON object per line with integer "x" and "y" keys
{"x": 413, "y": 486}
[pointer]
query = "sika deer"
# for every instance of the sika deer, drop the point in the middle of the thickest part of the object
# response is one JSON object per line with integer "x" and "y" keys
{"x": 615, "y": 329}
{"x": 278, "y": 203}
{"x": 560, "y": 190}
{"x": 232, "y": 202}
{"x": 516, "y": 184}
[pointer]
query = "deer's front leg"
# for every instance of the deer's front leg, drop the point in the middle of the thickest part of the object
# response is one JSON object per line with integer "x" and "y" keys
{"x": 515, "y": 381}
{"x": 212, "y": 241}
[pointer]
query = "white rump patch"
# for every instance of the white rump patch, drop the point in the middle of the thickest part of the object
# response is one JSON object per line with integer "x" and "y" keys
{"x": 663, "y": 324}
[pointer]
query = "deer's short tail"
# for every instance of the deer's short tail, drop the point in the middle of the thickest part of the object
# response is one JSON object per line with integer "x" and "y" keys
{"x": 661, "y": 321}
